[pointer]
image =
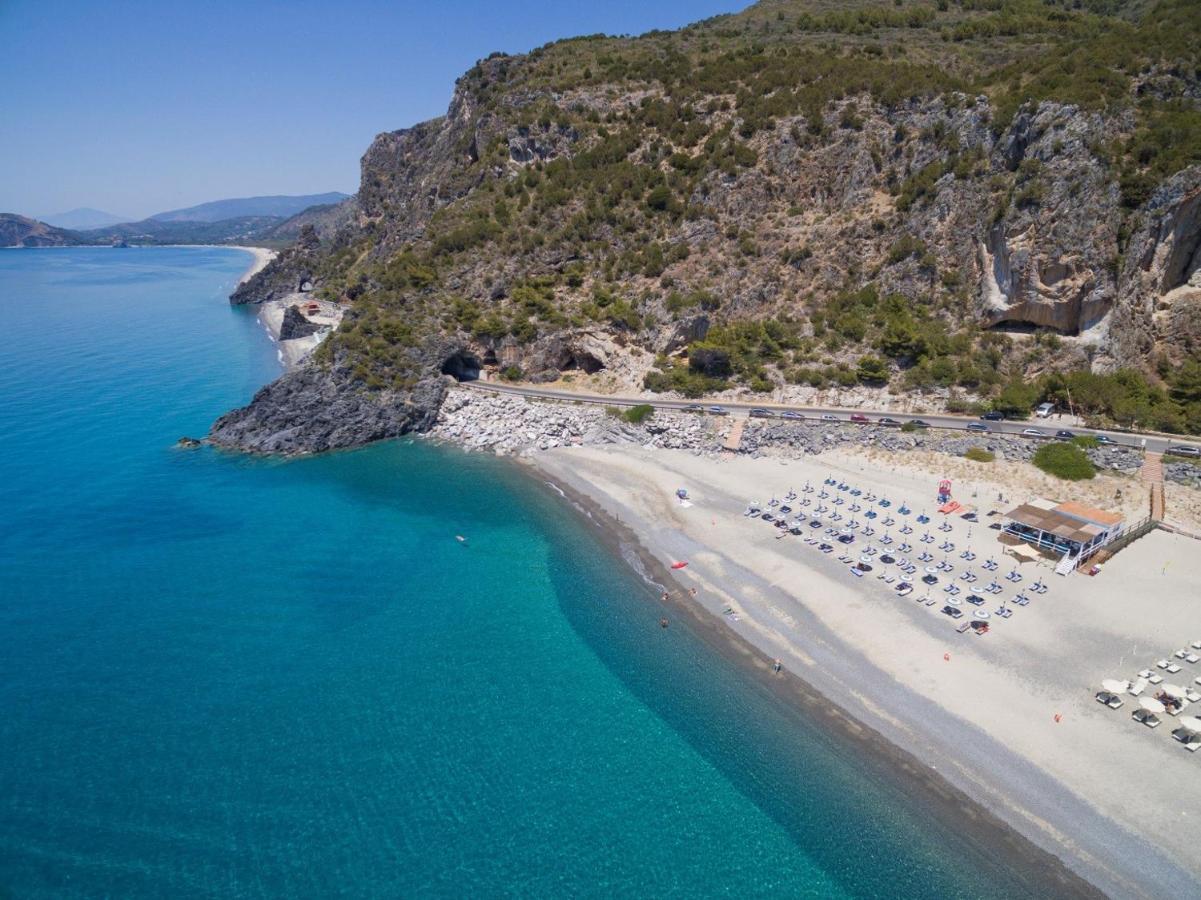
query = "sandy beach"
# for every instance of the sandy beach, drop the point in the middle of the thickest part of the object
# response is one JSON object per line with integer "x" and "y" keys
{"x": 1008, "y": 718}
{"x": 262, "y": 256}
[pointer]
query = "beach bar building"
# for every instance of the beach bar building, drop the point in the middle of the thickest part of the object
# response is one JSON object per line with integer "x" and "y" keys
{"x": 1071, "y": 530}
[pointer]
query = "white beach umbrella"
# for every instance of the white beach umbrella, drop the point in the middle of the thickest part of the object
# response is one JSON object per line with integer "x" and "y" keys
{"x": 1192, "y": 723}
{"x": 931, "y": 570}
{"x": 865, "y": 558}
{"x": 1114, "y": 686}
{"x": 954, "y": 601}
{"x": 908, "y": 579}
{"x": 981, "y": 615}
{"x": 1175, "y": 691}
{"x": 1151, "y": 705}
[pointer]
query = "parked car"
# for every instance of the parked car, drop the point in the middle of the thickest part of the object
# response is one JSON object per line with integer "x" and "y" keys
{"x": 1033, "y": 433}
{"x": 1064, "y": 435}
{"x": 918, "y": 423}
{"x": 1106, "y": 439}
{"x": 718, "y": 411}
{"x": 953, "y": 611}
{"x": 889, "y": 423}
{"x": 829, "y": 418}
{"x": 1044, "y": 410}
{"x": 976, "y": 426}
{"x": 759, "y": 413}
{"x": 694, "y": 408}
{"x": 859, "y": 418}
{"x": 791, "y": 415}
{"x": 993, "y": 416}
{"x": 1182, "y": 450}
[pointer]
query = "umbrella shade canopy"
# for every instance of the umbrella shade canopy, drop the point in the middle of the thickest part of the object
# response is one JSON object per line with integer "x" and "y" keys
{"x": 1150, "y": 704}
{"x": 981, "y": 615}
{"x": 848, "y": 531}
{"x": 1114, "y": 686}
{"x": 1192, "y": 723}
{"x": 954, "y": 601}
{"x": 1175, "y": 691}
{"x": 930, "y": 570}
{"x": 865, "y": 558}
{"x": 908, "y": 579}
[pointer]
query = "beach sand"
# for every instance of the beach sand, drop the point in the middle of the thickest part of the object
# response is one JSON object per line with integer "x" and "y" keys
{"x": 1117, "y": 802}
{"x": 262, "y": 256}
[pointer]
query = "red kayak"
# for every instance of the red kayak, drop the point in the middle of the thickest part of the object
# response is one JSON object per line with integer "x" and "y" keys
{"x": 678, "y": 565}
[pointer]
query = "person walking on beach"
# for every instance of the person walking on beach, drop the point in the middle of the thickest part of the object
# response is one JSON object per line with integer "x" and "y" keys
{"x": 776, "y": 667}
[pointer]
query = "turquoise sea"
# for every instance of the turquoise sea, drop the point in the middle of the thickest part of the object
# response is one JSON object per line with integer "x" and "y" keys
{"x": 233, "y": 677}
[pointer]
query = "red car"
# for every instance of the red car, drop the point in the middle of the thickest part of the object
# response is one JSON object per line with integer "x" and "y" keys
{"x": 859, "y": 418}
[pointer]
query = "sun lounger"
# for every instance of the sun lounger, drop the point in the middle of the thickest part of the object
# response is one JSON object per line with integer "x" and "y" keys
{"x": 1173, "y": 668}
{"x": 1192, "y": 658}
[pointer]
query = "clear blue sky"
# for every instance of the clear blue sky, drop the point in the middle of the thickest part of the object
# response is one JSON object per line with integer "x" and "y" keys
{"x": 138, "y": 107}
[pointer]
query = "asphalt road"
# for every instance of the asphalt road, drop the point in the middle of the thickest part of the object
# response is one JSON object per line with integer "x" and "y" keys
{"x": 1154, "y": 442}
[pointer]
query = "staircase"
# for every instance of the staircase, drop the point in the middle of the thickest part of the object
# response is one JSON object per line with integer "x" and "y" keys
{"x": 1152, "y": 475}
{"x": 1065, "y": 565}
{"x": 734, "y": 439}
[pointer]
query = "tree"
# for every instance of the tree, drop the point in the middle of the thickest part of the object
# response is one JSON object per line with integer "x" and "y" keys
{"x": 872, "y": 370}
{"x": 1017, "y": 398}
{"x": 710, "y": 360}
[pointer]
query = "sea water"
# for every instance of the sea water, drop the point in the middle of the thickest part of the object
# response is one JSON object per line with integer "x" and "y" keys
{"x": 237, "y": 677}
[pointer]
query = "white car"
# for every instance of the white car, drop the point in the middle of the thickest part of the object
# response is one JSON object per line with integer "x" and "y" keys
{"x": 1044, "y": 410}
{"x": 1033, "y": 433}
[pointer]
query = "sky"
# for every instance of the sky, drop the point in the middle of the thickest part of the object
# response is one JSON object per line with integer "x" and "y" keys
{"x": 139, "y": 107}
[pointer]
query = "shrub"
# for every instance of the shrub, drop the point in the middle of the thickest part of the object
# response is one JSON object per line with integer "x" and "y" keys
{"x": 1065, "y": 461}
{"x": 979, "y": 454}
{"x": 511, "y": 373}
{"x": 636, "y": 415}
{"x": 1085, "y": 441}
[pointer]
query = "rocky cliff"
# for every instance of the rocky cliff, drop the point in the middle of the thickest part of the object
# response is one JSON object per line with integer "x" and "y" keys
{"x": 912, "y": 198}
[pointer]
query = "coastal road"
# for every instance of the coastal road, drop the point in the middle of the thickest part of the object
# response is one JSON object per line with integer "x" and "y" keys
{"x": 1157, "y": 443}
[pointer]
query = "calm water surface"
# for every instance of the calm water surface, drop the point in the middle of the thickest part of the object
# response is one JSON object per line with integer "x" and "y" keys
{"x": 254, "y": 678}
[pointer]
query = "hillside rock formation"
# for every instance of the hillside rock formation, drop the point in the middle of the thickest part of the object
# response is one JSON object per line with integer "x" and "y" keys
{"x": 768, "y": 191}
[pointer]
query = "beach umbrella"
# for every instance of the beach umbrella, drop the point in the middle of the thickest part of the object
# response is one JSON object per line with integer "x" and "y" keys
{"x": 981, "y": 615}
{"x": 865, "y": 558}
{"x": 1114, "y": 686}
{"x": 1175, "y": 691}
{"x": 954, "y": 601}
{"x": 1151, "y": 705}
{"x": 907, "y": 579}
{"x": 1190, "y": 723}
{"x": 931, "y": 570}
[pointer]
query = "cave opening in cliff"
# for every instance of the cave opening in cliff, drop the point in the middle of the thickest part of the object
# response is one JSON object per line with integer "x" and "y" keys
{"x": 586, "y": 362}
{"x": 462, "y": 366}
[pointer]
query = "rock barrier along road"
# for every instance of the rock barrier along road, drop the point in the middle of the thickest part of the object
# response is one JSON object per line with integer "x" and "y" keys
{"x": 1155, "y": 443}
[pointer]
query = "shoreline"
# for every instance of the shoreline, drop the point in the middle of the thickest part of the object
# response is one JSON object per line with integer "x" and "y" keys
{"x": 1039, "y": 821}
{"x": 261, "y": 256}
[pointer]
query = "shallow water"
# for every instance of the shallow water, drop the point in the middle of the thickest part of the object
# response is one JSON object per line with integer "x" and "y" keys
{"x": 240, "y": 677}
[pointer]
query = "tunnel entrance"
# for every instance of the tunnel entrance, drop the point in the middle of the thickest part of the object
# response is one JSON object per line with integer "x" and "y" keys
{"x": 462, "y": 366}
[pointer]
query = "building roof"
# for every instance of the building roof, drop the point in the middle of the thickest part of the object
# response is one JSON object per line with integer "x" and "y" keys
{"x": 1053, "y": 521}
{"x": 1089, "y": 513}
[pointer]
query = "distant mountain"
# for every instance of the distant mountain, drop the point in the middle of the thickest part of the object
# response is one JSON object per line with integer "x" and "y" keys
{"x": 239, "y": 229}
{"x": 84, "y": 217}
{"x": 21, "y": 231}
{"x": 278, "y": 206}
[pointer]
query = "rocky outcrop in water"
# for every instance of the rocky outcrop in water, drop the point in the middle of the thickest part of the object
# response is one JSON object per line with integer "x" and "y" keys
{"x": 314, "y": 409}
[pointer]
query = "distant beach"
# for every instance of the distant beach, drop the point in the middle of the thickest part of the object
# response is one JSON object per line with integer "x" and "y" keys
{"x": 1092, "y": 788}
{"x": 261, "y": 255}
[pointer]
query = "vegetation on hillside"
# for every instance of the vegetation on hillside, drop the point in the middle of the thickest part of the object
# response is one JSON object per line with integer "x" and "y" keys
{"x": 646, "y": 134}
